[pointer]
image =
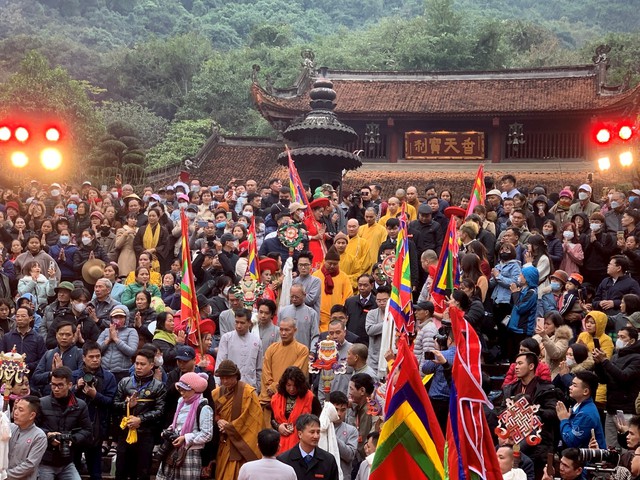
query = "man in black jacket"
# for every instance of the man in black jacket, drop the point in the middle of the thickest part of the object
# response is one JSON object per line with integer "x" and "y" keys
{"x": 617, "y": 284}
{"x": 307, "y": 459}
{"x": 538, "y": 392}
{"x": 358, "y": 306}
{"x": 65, "y": 420}
{"x": 97, "y": 387}
{"x": 140, "y": 400}
{"x": 621, "y": 374}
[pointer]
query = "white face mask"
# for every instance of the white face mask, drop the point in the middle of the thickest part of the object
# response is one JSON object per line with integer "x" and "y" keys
{"x": 86, "y": 240}
{"x": 115, "y": 195}
{"x": 620, "y": 344}
{"x": 583, "y": 195}
{"x": 182, "y": 205}
{"x": 595, "y": 226}
{"x": 55, "y": 193}
{"x": 191, "y": 215}
{"x": 570, "y": 362}
{"x": 248, "y": 214}
{"x": 80, "y": 307}
{"x": 568, "y": 235}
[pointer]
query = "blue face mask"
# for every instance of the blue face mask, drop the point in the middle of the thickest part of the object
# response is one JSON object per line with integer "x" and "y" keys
{"x": 632, "y": 199}
{"x": 64, "y": 239}
{"x": 221, "y": 224}
{"x": 555, "y": 286}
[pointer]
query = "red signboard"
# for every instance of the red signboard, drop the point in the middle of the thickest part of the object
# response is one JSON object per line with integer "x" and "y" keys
{"x": 444, "y": 145}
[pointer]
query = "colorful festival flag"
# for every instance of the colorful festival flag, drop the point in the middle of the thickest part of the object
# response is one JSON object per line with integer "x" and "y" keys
{"x": 295, "y": 184}
{"x": 478, "y": 193}
{"x": 469, "y": 450}
{"x": 189, "y": 312}
{"x": 411, "y": 445}
{"x": 447, "y": 273}
{"x": 400, "y": 302}
{"x": 252, "y": 264}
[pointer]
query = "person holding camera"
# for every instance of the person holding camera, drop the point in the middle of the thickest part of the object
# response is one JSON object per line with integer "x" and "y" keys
{"x": 191, "y": 429}
{"x": 571, "y": 466}
{"x": 97, "y": 387}
{"x": 439, "y": 388}
{"x": 65, "y": 420}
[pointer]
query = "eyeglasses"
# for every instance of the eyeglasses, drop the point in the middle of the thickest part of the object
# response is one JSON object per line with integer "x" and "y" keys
{"x": 57, "y": 386}
{"x": 304, "y": 264}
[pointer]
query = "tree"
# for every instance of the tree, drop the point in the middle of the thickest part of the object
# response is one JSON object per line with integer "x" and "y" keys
{"x": 148, "y": 127}
{"x": 119, "y": 152}
{"x": 184, "y": 138}
{"x": 38, "y": 89}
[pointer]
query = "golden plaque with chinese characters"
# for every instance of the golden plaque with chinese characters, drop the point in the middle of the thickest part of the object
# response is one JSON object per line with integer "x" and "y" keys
{"x": 444, "y": 145}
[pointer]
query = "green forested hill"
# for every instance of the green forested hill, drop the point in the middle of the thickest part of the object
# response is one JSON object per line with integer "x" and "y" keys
{"x": 189, "y": 61}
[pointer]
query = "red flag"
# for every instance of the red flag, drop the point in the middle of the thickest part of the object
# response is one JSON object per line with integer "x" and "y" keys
{"x": 478, "y": 192}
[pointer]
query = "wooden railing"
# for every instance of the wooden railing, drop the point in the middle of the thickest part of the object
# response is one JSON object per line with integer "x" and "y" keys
{"x": 548, "y": 145}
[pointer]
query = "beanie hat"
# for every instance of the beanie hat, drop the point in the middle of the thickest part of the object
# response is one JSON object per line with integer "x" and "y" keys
{"x": 332, "y": 254}
{"x": 192, "y": 381}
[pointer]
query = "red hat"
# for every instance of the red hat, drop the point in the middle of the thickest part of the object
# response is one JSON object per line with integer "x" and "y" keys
{"x": 322, "y": 202}
{"x": 13, "y": 205}
{"x": 456, "y": 211}
{"x": 207, "y": 326}
{"x": 268, "y": 264}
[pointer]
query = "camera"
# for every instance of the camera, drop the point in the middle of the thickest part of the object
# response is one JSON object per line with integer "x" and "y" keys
{"x": 169, "y": 435}
{"x": 355, "y": 198}
{"x": 429, "y": 356}
{"x": 593, "y": 455}
{"x": 89, "y": 379}
{"x": 443, "y": 335}
{"x": 65, "y": 443}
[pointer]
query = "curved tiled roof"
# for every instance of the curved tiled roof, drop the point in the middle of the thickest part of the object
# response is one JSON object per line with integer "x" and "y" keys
{"x": 469, "y": 93}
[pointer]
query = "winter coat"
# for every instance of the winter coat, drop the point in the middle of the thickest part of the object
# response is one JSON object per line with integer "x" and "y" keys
{"x": 71, "y": 418}
{"x": 608, "y": 290}
{"x": 606, "y": 345}
{"x": 125, "y": 254}
{"x": 597, "y": 253}
{"x": 554, "y": 249}
{"x": 572, "y": 258}
{"x": 150, "y": 409}
{"x": 621, "y": 374}
{"x": 84, "y": 251}
{"x": 42, "y": 288}
{"x": 116, "y": 357}
{"x": 129, "y": 295}
{"x": 555, "y": 347}
{"x": 66, "y": 265}
{"x": 525, "y": 302}
{"x": 424, "y": 341}
{"x": 509, "y": 273}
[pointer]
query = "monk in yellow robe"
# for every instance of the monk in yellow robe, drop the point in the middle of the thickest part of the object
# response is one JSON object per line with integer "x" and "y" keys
{"x": 354, "y": 258}
{"x": 239, "y": 418}
{"x": 336, "y": 287}
{"x": 373, "y": 234}
{"x": 288, "y": 352}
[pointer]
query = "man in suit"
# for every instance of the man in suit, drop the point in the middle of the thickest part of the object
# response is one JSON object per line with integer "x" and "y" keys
{"x": 309, "y": 461}
{"x": 358, "y": 306}
{"x": 268, "y": 466}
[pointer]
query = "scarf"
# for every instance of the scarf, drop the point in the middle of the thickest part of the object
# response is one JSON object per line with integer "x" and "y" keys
{"x": 328, "y": 280}
{"x": 150, "y": 238}
{"x": 278, "y": 407}
{"x": 165, "y": 336}
{"x": 193, "y": 403}
{"x": 328, "y": 440}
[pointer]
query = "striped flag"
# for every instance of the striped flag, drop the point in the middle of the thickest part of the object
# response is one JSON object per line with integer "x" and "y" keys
{"x": 295, "y": 184}
{"x": 411, "y": 445}
{"x": 469, "y": 450}
{"x": 400, "y": 302}
{"x": 252, "y": 265}
{"x": 447, "y": 273}
{"x": 189, "y": 312}
{"x": 478, "y": 193}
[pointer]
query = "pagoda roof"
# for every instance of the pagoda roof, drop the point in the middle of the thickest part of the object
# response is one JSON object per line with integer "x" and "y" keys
{"x": 410, "y": 94}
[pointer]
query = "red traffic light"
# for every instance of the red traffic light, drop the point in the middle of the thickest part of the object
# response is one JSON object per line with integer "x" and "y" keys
{"x": 603, "y": 136}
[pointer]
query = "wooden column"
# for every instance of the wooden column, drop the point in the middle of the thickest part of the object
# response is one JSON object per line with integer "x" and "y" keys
{"x": 394, "y": 143}
{"x": 496, "y": 141}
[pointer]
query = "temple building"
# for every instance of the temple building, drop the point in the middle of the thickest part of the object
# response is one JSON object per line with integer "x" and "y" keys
{"x": 411, "y": 125}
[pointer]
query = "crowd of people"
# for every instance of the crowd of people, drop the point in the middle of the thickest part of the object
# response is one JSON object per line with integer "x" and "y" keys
{"x": 292, "y": 382}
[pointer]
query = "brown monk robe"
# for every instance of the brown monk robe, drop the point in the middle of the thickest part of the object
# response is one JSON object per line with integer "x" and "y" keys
{"x": 239, "y": 418}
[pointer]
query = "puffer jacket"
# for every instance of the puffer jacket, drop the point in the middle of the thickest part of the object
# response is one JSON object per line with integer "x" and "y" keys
{"x": 555, "y": 347}
{"x": 606, "y": 345}
{"x": 525, "y": 302}
{"x": 116, "y": 357}
{"x": 509, "y": 273}
{"x": 424, "y": 341}
{"x": 65, "y": 416}
{"x": 152, "y": 392}
{"x": 621, "y": 374}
